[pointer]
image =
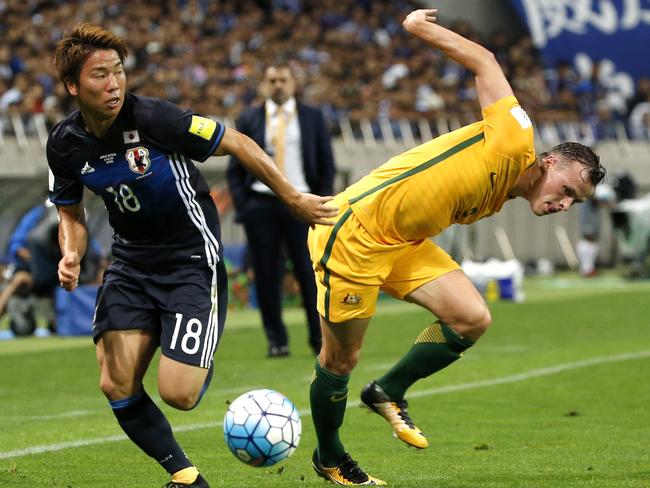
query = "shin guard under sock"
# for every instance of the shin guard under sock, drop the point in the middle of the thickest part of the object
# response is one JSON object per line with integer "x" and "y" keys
{"x": 328, "y": 397}
{"x": 435, "y": 348}
{"x": 149, "y": 429}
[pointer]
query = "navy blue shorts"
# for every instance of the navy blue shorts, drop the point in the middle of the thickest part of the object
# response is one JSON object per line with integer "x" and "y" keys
{"x": 184, "y": 307}
{"x": 21, "y": 265}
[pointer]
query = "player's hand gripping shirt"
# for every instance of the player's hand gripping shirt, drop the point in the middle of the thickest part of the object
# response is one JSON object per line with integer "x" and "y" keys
{"x": 158, "y": 202}
{"x": 459, "y": 177}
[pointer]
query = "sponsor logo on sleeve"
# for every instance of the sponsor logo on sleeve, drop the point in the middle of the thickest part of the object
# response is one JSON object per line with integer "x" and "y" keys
{"x": 202, "y": 127}
{"x": 521, "y": 116}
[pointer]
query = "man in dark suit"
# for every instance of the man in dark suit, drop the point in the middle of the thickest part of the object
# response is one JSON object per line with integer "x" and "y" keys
{"x": 296, "y": 137}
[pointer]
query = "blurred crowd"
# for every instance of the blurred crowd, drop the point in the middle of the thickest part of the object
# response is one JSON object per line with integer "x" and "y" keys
{"x": 351, "y": 57}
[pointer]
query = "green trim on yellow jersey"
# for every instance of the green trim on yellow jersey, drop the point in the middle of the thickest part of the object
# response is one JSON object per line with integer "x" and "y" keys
{"x": 326, "y": 257}
{"x": 426, "y": 165}
{"x": 344, "y": 217}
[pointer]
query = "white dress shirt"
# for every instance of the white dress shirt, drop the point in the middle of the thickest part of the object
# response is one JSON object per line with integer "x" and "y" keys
{"x": 293, "y": 164}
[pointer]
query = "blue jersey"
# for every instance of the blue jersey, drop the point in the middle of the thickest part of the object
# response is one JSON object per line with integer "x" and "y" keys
{"x": 158, "y": 203}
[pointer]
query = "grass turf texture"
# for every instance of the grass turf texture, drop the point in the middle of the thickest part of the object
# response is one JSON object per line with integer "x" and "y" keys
{"x": 555, "y": 395}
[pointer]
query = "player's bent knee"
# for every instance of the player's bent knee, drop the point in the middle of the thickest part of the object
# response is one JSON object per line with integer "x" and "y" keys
{"x": 340, "y": 364}
{"x": 341, "y": 369}
{"x": 471, "y": 323}
{"x": 115, "y": 390}
{"x": 108, "y": 388}
{"x": 180, "y": 400}
{"x": 182, "y": 395}
{"x": 483, "y": 321}
{"x": 181, "y": 385}
{"x": 478, "y": 323}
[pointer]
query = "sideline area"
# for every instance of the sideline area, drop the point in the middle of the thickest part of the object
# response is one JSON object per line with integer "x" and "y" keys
{"x": 563, "y": 285}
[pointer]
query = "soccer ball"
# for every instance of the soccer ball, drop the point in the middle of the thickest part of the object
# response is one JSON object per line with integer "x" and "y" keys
{"x": 262, "y": 427}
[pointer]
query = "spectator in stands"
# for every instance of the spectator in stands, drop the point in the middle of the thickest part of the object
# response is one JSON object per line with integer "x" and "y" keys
{"x": 590, "y": 223}
{"x": 641, "y": 95}
{"x": 12, "y": 99}
{"x": 640, "y": 121}
{"x": 296, "y": 137}
{"x": 639, "y": 110}
{"x": 342, "y": 44}
{"x": 589, "y": 90}
{"x": 564, "y": 76}
{"x": 562, "y": 106}
{"x": 6, "y": 73}
{"x": 33, "y": 255}
{"x": 604, "y": 122}
{"x": 18, "y": 273}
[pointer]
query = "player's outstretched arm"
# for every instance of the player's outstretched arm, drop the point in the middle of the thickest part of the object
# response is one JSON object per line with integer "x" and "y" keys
{"x": 311, "y": 209}
{"x": 73, "y": 238}
{"x": 491, "y": 83}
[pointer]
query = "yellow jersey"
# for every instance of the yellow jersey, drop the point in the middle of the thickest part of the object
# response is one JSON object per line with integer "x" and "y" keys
{"x": 459, "y": 177}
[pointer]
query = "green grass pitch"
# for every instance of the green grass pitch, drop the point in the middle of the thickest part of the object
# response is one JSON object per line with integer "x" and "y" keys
{"x": 556, "y": 395}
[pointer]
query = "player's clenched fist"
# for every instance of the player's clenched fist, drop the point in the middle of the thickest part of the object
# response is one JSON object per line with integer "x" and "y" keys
{"x": 69, "y": 268}
{"x": 421, "y": 15}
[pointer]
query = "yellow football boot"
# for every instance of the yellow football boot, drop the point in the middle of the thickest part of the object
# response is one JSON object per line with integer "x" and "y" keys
{"x": 346, "y": 473}
{"x": 396, "y": 413}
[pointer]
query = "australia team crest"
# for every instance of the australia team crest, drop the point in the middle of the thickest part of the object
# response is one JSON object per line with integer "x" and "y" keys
{"x": 138, "y": 158}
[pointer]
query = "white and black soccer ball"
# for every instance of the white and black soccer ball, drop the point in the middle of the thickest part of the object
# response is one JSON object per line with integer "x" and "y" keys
{"x": 262, "y": 427}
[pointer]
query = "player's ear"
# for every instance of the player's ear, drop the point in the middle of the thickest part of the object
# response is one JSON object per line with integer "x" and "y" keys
{"x": 548, "y": 161}
{"x": 72, "y": 87}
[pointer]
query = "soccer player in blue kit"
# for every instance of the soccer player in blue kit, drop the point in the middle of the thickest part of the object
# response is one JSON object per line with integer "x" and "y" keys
{"x": 167, "y": 284}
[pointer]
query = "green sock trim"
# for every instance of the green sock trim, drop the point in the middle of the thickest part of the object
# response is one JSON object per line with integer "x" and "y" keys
{"x": 332, "y": 380}
{"x": 430, "y": 353}
{"x": 455, "y": 341}
{"x": 328, "y": 398}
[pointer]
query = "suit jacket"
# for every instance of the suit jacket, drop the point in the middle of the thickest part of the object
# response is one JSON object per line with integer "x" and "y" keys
{"x": 318, "y": 161}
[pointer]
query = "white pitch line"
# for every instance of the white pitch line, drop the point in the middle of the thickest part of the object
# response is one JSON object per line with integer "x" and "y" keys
{"x": 56, "y": 416}
{"x": 82, "y": 413}
{"x": 533, "y": 373}
{"x": 515, "y": 378}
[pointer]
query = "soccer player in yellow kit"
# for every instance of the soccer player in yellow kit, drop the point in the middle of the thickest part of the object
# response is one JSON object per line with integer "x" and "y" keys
{"x": 380, "y": 240}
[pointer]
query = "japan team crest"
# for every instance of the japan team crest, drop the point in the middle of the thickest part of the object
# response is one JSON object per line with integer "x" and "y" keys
{"x": 138, "y": 158}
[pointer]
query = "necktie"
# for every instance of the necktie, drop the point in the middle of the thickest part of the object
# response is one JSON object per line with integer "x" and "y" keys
{"x": 279, "y": 138}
